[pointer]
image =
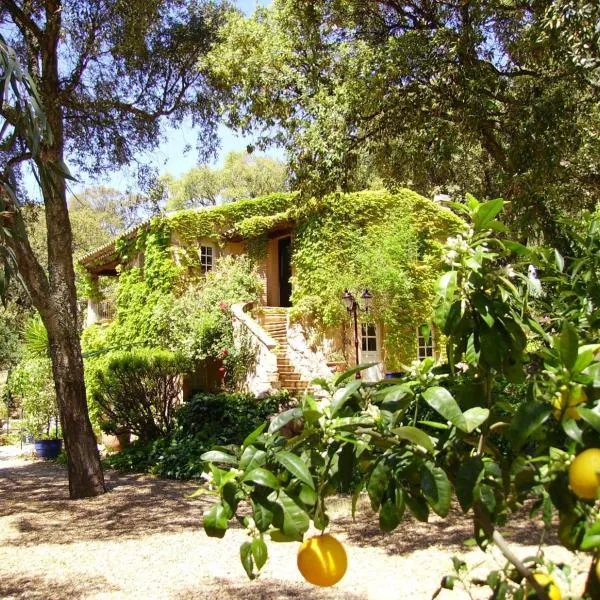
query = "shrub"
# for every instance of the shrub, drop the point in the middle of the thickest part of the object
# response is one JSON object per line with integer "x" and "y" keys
{"x": 137, "y": 392}
{"x": 31, "y": 385}
{"x": 202, "y": 422}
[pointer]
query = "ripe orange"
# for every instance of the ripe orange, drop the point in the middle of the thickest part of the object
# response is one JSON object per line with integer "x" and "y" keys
{"x": 584, "y": 474}
{"x": 549, "y": 584}
{"x": 322, "y": 560}
{"x": 598, "y": 569}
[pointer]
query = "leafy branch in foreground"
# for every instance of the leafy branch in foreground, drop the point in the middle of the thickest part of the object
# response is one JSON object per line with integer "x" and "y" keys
{"x": 440, "y": 432}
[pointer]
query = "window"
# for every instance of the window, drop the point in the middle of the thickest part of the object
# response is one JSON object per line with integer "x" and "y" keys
{"x": 425, "y": 344}
{"x": 368, "y": 337}
{"x": 206, "y": 258}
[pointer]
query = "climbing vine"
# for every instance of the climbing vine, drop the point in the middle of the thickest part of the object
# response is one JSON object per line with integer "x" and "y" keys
{"x": 386, "y": 242}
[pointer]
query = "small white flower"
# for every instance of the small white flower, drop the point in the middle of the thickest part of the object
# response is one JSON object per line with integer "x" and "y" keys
{"x": 374, "y": 412}
{"x": 509, "y": 271}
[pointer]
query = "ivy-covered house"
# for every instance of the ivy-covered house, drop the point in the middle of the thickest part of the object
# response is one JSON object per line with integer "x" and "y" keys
{"x": 294, "y": 326}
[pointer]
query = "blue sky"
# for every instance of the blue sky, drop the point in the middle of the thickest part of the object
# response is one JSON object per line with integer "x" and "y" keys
{"x": 172, "y": 156}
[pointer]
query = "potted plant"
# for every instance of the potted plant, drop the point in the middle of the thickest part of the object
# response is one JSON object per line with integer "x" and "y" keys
{"x": 31, "y": 383}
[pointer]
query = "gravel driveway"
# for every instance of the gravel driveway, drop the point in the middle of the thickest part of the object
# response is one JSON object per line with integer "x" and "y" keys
{"x": 144, "y": 540}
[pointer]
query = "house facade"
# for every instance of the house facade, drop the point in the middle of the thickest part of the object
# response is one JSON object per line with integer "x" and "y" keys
{"x": 307, "y": 255}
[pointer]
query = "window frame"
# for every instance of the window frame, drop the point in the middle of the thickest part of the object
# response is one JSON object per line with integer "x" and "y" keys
{"x": 206, "y": 266}
{"x": 366, "y": 336}
{"x": 425, "y": 346}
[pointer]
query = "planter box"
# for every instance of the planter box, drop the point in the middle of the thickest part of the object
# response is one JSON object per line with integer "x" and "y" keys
{"x": 47, "y": 449}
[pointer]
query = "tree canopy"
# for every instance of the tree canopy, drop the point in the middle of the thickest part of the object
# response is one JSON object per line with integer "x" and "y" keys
{"x": 243, "y": 175}
{"x": 490, "y": 97}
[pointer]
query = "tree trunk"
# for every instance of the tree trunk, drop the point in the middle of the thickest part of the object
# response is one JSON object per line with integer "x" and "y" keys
{"x": 83, "y": 461}
{"x": 55, "y": 296}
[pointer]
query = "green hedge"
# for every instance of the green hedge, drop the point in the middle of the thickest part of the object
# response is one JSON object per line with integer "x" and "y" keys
{"x": 202, "y": 422}
{"x": 137, "y": 391}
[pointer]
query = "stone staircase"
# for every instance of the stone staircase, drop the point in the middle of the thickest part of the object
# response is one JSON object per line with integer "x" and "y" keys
{"x": 275, "y": 324}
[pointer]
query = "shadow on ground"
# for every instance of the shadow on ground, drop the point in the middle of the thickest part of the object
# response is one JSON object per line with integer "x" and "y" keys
{"x": 36, "y": 497}
{"x": 262, "y": 589}
{"x": 449, "y": 533}
{"x": 46, "y": 588}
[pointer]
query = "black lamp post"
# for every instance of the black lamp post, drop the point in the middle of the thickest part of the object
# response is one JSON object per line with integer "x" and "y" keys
{"x": 352, "y": 306}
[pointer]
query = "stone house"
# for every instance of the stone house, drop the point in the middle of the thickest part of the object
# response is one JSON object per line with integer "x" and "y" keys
{"x": 291, "y": 345}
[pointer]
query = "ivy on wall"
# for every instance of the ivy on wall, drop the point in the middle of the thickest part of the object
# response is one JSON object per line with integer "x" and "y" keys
{"x": 386, "y": 242}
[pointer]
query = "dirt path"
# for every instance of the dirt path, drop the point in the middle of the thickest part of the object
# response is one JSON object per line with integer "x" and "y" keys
{"x": 144, "y": 540}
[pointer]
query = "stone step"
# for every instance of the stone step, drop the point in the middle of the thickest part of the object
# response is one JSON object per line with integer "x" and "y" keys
{"x": 289, "y": 376}
{"x": 295, "y": 387}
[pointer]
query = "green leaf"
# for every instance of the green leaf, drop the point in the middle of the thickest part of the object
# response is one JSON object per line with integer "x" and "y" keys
{"x": 591, "y": 539}
{"x": 215, "y": 521}
{"x": 351, "y": 423}
{"x": 559, "y": 260}
{"x": 246, "y": 558}
{"x": 396, "y": 398}
{"x": 262, "y": 514}
{"x": 216, "y": 456}
{"x": 474, "y": 417}
{"x": 571, "y": 428}
{"x": 252, "y": 458}
{"x": 252, "y": 437}
{"x": 259, "y": 552}
{"x": 487, "y": 497}
{"x": 418, "y": 507}
{"x": 591, "y": 417}
{"x": 434, "y": 425}
{"x": 278, "y": 536}
{"x": 263, "y": 477}
{"x": 388, "y": 516}
{"x": 447, "y": 284}
{"x": 307, "y": 495}
{"x": 585, "y": 356}
{"x": 593, "y": 371}
{"x": 295, "y": 520}
{"x": 529, "y": 418}
{"x": 339, "y": 379}
{"x": 441, "y": 400}
{"x": 378, "y": 483}
{"x": 568, "y": 345}
{"x": 342, "y": 395}
{"x": 467, "y": 479}
{"x": 284, "y": 418}
{"x": 517, "y": 248}
{"x": 486, "y": 212}
{"x": 415, "y": 436}
{"x": 296, "y": 466}
{"x": 436, "y": 488}
{"x": 346, "y": 463}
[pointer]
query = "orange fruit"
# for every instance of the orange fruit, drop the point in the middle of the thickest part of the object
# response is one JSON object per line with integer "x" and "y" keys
{"x": 584, "y": 474}
{"x": 322, "y": 560}
{"x": 549, "y": 584}
{"x": 598, "y": 569}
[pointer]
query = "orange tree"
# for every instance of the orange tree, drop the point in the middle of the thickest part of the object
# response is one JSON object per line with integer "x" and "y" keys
{"x": 437, "y": 433}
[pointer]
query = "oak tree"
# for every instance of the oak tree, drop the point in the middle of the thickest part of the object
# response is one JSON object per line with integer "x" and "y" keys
{"x": 106, "y": 73}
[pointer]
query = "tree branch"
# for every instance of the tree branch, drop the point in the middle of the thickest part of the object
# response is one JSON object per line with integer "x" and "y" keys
{"x": 22, "y": 20}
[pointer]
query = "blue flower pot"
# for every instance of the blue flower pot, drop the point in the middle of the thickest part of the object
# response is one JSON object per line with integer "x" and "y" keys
{"x": 47, "y": 449}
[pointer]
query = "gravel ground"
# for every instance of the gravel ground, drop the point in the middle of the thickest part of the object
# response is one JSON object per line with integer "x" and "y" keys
{"x": 144, "y": 540}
